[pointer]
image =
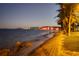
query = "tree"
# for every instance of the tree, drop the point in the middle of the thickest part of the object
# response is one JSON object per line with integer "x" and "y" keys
{"x": 62, "y": 15}
{"x": 67, "y": 16}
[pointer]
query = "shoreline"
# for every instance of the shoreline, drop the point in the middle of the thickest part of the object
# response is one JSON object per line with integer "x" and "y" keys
{"x": 35, "y": 42}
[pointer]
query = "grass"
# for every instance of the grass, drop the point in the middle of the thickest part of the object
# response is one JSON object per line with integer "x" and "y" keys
{"x": 72, "y": 43}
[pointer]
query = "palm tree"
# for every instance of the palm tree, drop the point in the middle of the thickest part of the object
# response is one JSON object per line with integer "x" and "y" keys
{"x": 61, "y": 15}
{"x": 76, "y": 13}
{"x": 66, "y": 16}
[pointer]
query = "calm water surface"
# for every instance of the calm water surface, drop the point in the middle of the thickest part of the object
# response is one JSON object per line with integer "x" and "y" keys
{"x": 8, "y": 37}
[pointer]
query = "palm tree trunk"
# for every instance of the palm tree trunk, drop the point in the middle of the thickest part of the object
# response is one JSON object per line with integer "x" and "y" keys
{"x": 69, "y": 27}
{"x": 74, "y": 27}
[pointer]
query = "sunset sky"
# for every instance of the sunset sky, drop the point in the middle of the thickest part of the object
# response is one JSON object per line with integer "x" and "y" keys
{"x": 29, "y": 14}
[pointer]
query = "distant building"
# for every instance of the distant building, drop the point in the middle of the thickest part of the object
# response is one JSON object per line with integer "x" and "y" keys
{"x": 54, "y": 28}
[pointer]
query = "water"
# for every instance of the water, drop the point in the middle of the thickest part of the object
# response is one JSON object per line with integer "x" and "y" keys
{"x": 8, "y": 37}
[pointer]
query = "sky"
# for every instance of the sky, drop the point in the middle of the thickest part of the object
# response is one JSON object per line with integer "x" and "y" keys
{"x": 28, "y": 15}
